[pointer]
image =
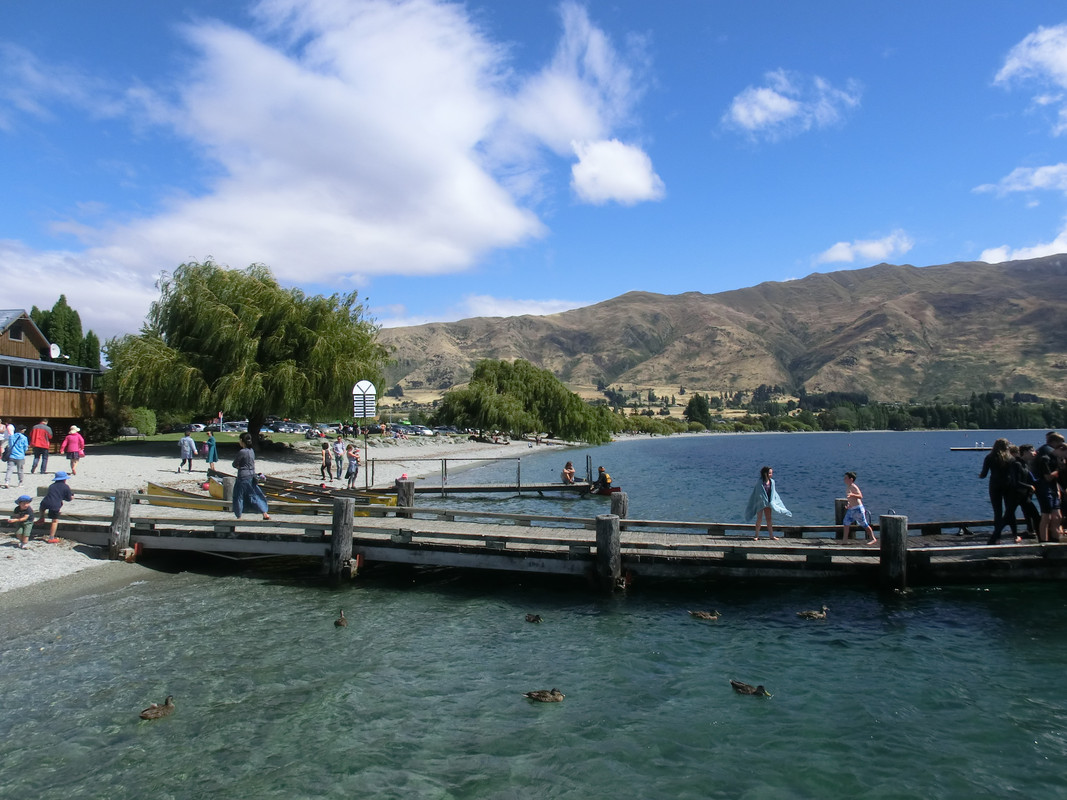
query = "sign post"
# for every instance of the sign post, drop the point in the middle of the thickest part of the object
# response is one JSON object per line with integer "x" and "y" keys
{"x": 364, "y": 397}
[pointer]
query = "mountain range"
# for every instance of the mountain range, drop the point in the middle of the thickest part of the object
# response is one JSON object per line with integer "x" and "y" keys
{"x": 898, "y": 333}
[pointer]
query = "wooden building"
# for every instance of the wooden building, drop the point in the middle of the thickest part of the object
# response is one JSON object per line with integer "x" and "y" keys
{"x": 36, "y": 382}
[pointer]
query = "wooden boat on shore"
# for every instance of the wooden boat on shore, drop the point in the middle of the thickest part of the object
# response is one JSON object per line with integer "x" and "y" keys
{"x": 278, "y": 491}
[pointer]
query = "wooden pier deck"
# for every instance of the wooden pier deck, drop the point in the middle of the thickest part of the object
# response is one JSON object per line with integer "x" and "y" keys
{"x": 605, "y": 548}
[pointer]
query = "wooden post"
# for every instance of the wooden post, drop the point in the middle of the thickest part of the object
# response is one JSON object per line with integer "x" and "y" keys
{"x": 620, "y": 504}
{"x": 118, "y": 535}
{"x": 227, "y": 488}
{"x": 893, "y": 563}
{"x": 405, "y": 495}
{"x": 340, "y": 556}
{"x": 608, "y": 551}
{"x": 840, "y": 504}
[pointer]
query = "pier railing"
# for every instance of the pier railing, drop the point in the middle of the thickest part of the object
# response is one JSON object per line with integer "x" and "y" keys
{"x": 369, "y": 473}
{"x": 607, "y": 547}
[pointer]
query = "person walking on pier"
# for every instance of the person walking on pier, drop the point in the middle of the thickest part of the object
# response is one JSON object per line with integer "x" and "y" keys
{"x": 855, "y": 513}
{"x": 245, "y": 487}
{"x": 997, "y": 465}
{"x": 763, "y": 500}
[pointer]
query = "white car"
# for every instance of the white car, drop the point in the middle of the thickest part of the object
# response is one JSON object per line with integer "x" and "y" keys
{"x": 196, "y": 427}
{"x": 422, "y": 430}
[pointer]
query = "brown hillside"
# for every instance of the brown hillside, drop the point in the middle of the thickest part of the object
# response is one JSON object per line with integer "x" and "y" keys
{"x": 894, "y": 332}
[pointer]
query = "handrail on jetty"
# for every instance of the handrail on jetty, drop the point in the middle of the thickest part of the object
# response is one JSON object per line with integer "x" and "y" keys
{"x": 608, "y": 549}
{"x": 368, "y": 473}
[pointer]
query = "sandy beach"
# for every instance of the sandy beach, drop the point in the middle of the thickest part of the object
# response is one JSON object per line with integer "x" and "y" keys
{"x": 131, "y": 465}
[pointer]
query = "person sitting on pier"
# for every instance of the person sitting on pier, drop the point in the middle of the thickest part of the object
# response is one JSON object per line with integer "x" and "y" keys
{"x": 855, "y": 513}
{"x": 567, "y": 476}
{"x": 602, "y": 483}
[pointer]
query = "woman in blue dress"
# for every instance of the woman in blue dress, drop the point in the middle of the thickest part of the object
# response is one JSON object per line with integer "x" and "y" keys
{"x": 763, "y": 500}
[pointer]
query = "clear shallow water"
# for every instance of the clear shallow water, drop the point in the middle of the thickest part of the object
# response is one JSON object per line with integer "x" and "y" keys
{"x": 944, "y": 693}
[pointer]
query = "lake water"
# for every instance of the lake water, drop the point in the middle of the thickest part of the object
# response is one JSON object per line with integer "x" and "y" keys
{"x": 943, "y": 693}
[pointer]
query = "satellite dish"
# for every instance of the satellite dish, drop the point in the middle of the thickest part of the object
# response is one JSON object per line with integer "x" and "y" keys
{"x": 53, "y": 350}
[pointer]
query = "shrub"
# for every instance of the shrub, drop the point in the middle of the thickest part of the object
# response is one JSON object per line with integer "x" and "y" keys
{"x": 144, "y": 420}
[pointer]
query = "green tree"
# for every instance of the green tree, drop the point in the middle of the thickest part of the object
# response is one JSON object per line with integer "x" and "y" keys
{"x": 62, "y": 326}
{"x": 236, "y": 341}
{"x": 520, "y": 398}
{"x": 696, "y": 410}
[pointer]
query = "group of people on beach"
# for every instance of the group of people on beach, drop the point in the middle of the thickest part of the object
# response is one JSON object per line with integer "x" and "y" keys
{"x": 764, "y": 500}
{"x": 18, "y": 442}
{"x": 1020, "y": 474}
{"x": 337, "y": 454}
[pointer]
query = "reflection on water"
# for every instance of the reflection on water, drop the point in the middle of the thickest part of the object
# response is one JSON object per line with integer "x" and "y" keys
{"x": 942, "y": 693}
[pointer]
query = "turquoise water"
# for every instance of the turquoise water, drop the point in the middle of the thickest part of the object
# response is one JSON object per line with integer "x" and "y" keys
{"x": 942, "y": 693}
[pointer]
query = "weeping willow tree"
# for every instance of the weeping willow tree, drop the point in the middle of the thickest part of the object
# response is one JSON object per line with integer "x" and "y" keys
{"x": 235, "y": 341}
{"x": 520, "y": 398}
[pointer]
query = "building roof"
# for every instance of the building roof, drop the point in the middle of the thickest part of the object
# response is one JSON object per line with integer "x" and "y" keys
{"x": 9, "y": 316}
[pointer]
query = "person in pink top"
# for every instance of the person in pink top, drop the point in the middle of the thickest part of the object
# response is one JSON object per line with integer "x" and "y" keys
{"x": 74, "y": 446}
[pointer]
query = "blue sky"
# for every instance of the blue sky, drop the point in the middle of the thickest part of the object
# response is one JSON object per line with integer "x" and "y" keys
{"x": 449, "y": 160}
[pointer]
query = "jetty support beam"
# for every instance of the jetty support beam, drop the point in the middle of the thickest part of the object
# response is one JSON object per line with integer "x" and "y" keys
{"x": 339, "y": 560}
{"x": 608, "y": 551}
{"x": 620, "y": 504}
{"x": 405, "y": 496}
{"x": 893, "y": 561}
{"x": 118, "y": 535}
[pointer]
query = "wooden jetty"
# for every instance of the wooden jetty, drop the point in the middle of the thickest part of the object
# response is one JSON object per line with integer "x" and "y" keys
{"x": 610, "y": 549}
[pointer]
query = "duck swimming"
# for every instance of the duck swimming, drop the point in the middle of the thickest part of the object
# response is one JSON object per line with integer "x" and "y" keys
{"x": 341, "y": 621}
{"x": 712, "y": 615}
{"x": 534, "y": 618}
{"x": 747, "y": 688}
{"x": 813, "y": 614}
{"x": 158, "y": 712}
{"x": 545, "y": 696}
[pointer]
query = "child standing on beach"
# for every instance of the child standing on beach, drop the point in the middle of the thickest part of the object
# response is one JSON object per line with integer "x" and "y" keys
{"x": 22, "y": 519}
{"x": 855, "y": 513}
{"x": 353, "y": 465}
{"x": 53, "y": 501}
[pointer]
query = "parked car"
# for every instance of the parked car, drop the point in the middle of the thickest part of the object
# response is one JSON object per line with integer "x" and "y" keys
{"x": 422, "y": 430}
{"x": 235, "y": 427}
{"x": 195, "y": 427}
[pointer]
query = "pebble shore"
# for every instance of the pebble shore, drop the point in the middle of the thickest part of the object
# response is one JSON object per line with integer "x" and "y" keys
{"x": 131, "y": 465}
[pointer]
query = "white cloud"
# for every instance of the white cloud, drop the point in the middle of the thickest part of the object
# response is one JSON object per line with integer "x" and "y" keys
{"x": 789, "y": 104}
{"x": 109, "y": 301}
{"x": 867, "y": 250}
{"x": 1041, "y": 57}
{"x": 476, "y": 305}
{"x": 1027, "y": 179}
{"x": 351, "y": 138}
{"x": 611, "y": 170}
{"x": 996, "y": 255}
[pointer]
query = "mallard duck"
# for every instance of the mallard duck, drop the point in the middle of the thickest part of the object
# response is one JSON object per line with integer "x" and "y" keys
{"x": 534, "y": 618}
{"x": 748, "y": 688}
{"x": 813, "y": 614}
{"x": 341, "y": 621}
{"x": 712, "y": 615}
{"x": 545, "y": 696}
{"x": 158, "y": 712}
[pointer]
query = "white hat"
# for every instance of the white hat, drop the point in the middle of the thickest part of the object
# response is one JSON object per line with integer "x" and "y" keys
{"x": 75, "y": 429}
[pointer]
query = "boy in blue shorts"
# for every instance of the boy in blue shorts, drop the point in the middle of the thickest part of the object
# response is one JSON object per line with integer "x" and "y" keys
{"x": 855, "y": 513}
